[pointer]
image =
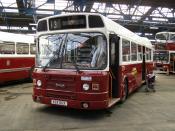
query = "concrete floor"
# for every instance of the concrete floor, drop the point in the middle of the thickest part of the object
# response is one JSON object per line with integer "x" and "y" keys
{"x": 141, "y": 112}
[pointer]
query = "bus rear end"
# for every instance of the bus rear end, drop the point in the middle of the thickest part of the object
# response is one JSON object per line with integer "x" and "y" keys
{"x": 164, "y": 51}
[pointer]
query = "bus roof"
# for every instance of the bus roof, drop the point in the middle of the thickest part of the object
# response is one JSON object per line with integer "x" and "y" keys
{"x": 114, "y": 27}
{"x": 11, "y": 37}
{"x": 125, "y": 33}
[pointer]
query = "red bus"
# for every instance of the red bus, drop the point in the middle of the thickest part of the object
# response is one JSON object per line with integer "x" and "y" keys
{"x": 164, "y": 54}
{"x": 87, "y": 61}
{"x": 17, "y": 56}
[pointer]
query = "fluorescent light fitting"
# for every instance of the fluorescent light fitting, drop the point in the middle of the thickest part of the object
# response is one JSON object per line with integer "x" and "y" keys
{"x": 32, "y": 24}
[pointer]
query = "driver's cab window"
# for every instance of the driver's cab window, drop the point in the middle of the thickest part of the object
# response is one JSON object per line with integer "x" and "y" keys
{"x": 113, "y": 42}
{"x": 99, "y": 54}
{"x": 112, "y": 53}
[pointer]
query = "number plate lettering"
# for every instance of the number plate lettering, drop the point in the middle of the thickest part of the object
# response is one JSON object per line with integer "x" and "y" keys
{"x": 59, "y": 102}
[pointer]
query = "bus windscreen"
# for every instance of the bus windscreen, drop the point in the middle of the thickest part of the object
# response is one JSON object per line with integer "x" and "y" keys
{"x": 67, "y": 22}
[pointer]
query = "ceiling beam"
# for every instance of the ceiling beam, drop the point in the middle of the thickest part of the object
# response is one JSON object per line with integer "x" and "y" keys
{"x": 89, "y": 6}
{"x": 147, "y": 14}
{"x": 159, "y": 3}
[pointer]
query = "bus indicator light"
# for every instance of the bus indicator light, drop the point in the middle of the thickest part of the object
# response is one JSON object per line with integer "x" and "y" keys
{"x": 95, "y": 87}
{"x": 34, "y": 81}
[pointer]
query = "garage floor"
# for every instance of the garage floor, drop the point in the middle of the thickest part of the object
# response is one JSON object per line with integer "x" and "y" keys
{"x": 141, "y": 112}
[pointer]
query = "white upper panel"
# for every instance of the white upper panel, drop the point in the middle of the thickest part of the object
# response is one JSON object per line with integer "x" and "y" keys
{"x": 112, "y": 26}
{"x": 125, "y": 33}
{"x": 11, "y": 37}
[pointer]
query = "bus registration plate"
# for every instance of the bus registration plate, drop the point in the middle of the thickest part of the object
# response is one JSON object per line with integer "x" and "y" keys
{"x": 58, "y": 102}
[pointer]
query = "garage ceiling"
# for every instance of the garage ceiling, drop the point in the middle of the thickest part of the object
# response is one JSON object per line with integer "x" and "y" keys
{"x": 145, "y": 17}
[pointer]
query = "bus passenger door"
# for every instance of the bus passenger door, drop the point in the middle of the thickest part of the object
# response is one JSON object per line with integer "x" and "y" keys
{"x": 172, "y": 62}
{"x": 114, "y": 64}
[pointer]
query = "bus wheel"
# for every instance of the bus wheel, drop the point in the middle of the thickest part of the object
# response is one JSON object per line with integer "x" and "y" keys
{"x": 125, "y": 91}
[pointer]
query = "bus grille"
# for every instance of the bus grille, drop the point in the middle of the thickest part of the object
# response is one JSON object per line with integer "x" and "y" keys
{"x": 61, "y": 95}
{"x": 61, "y": 83}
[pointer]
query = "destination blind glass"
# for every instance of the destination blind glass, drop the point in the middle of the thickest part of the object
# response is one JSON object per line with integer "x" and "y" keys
{"x": 42, "y": 26}
{"x": 67, "y": 22}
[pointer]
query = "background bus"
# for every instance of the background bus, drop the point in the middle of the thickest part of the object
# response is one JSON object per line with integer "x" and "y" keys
{"x": 164, "y": 54}
{"x": 87, "y": 61}
{"x": 17, "y": 56}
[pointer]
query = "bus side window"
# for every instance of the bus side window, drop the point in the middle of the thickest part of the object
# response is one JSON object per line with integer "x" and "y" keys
{"x": 7, "y": 48}
{"x": 32, "y": 49}
{"x": 140, "y": 53}
{"x": 133, "y": 51}
{"x": 125, "y": 50}
{"x": 148, "y": 53}
{"x": 1, "y": 48}
{"x": 172, "y": 37}
{"x": 22, "y": 48}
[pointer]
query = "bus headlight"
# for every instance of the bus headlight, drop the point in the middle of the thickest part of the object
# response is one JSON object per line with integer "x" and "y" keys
{"x": 86, "y": 87}
{"x": 39, "y": 83}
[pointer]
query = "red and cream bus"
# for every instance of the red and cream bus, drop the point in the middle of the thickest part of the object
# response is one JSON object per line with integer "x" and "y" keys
{"x": 87, "y": 61}
{"x": 164, "y": 54}
{"x": 17, "y": 56}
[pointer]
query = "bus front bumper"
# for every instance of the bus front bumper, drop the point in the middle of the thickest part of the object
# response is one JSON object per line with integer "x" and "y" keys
{"x": 77, "y": 104}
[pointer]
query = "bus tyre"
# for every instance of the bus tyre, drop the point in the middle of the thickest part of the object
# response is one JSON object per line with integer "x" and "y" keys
{"x": 125, "y": 91}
